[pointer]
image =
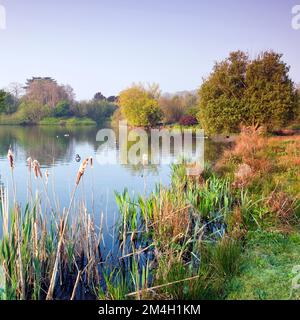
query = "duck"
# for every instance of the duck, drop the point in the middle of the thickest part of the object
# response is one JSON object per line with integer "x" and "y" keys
{"x": 77, "y": 158}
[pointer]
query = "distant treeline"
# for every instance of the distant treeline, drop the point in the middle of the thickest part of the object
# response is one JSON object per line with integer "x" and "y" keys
{"x": 43, "y": 98}
{"x": 239, "y": 91}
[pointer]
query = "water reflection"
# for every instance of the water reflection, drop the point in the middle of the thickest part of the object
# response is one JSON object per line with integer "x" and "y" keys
{"x": 56, "y": 148}
{"x": 47, "y": 144}
{"x": 54, "y": 145}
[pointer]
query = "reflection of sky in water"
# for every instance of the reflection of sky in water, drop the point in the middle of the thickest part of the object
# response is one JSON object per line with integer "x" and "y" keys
{"x": 57, "y": 153}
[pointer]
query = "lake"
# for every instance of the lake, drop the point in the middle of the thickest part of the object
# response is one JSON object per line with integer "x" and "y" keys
{"x": 56, "y": 147}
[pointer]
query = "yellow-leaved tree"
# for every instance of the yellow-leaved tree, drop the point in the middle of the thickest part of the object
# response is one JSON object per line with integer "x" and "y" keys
{"x": 139, "y": 105}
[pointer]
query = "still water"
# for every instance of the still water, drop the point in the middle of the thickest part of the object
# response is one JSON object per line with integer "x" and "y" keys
{"x": 56, "y": 147}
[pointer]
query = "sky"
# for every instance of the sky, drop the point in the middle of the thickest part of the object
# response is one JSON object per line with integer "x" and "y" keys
{"x": 107, "y": 45}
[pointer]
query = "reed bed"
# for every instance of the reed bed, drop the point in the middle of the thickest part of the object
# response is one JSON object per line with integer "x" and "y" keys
{"x": 167, "y": 245}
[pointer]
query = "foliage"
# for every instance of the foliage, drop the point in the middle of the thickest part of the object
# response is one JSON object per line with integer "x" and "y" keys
{"x": 11, "y": 103}
{"x": 270, "y": 95}
{"x": 97, "y": 110}
{"x": 172, "y": 109}
{"x": 175, "y": 107}
{"x": 221, "y": 95}
{"x": 99, "y": 96}
{"x": 257, "y": 92}
{"x": 46, "y": 91}
{"x": 188, "y": 120}
{"x": 45, "y": 98}
{"x": 140, "y": 106}
{"x": 62, "y": 109}
{"x": 33, "y": 112}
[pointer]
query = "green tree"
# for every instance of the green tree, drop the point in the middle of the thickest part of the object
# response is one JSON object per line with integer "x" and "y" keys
{"x": 11, "y": 103}
{"x": 98, "y": 110}
{"x": 99, "y": 96}
{"x": 270, "y": 97}
{"x": 240, "y": 91}
{"x": 140, "y": 106}
{"x": 62, "y": 109}
{"x": 221, "y": 94}
{"x": 33, "y": 112}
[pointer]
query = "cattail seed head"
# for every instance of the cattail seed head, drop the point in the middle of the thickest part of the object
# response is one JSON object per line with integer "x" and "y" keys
{"x": 82, "y": 170}
{"x": 91, "y": 162}
{"x": 10, "y": 157}
{"x": 36, "y": 169}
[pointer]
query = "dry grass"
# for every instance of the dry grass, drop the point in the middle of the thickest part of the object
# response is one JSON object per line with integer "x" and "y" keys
{"x": 283, "y": 206}
{"x": 270, "y": 168}
{"x": 256, "y": 155}
{"x": 236, "y": 226}
{"x": 170, "y": 215}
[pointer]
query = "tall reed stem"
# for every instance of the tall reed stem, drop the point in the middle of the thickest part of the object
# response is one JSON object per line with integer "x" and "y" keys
{"x": 59, "y": 247}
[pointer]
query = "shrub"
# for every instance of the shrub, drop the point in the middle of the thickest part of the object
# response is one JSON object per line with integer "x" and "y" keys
{"x": 62, "y": 109}
{"x": 33, "y": 112}
{"x": 188, "y": 120}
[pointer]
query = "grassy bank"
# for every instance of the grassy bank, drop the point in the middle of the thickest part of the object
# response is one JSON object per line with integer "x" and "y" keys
{"x": 270, "y": 261}
{"x": 73, "y": 121}
{"x": 50, "y": 121}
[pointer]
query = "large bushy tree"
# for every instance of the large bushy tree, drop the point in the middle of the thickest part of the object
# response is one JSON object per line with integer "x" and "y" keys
{"x": 139, "y": 105}
{"x": 46, "y": 91}
{"x": 270, "y": 95}
{"x": 241, "y": 91}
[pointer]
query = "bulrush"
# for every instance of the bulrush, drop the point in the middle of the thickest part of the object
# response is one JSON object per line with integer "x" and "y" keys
{"x": 10, "y": 157}
{"x": 81, "y": 170}
{"x": 91, "y": 162}
{"x": 36, "y": 169}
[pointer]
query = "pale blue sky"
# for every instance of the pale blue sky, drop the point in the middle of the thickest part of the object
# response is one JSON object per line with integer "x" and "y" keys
{"x": 106, "y": 45}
